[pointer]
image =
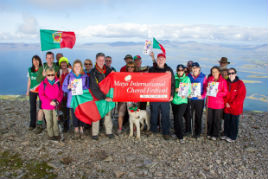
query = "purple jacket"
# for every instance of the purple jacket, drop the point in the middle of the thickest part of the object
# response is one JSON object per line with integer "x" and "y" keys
{"x": 70, "y": 77}
{"x": 48, "y": 93}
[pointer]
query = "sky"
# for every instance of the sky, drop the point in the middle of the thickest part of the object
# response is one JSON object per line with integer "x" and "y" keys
{"x": 229, "y": 21}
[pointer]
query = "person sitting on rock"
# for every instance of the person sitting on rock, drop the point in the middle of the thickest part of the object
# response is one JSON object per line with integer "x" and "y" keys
{"x": 51, "y": 95}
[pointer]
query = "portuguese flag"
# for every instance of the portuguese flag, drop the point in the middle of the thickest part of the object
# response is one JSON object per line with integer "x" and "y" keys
{"x": 157, "y": 45}
{"x": 51, "y": 39}
{"x": 87, "y": 108}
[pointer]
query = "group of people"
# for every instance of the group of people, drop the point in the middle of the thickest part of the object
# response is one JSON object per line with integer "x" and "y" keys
{"x": 52, "y": 82}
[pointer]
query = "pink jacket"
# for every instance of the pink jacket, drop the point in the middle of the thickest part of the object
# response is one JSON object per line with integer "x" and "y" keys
{"x": 48, "y": 93}
{"x": 218, "y": 101}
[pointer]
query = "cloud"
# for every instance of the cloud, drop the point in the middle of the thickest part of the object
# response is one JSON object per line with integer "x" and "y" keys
{"x": 29, "y": 25}
{"x": 175, "y": 32}
{"x": 58, "y": 5}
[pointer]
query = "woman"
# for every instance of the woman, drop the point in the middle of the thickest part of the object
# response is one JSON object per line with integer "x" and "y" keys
{"x": 32, "y": 92}
{"x": 122, "y": 106}
{"x": 63, "y": 72}
{"x": 88, "y": 66}
{"x": 233, "y": 105}
{"x": 51, "y": 95}
{"x": 179, "y": 102}
{"x": 77, "y": 73}
{"x": 198, "y": 81}
{"x": 216, "y": 91}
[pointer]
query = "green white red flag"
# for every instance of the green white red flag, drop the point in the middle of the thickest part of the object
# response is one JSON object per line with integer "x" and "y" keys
{"x": 157, "y": 45}
{"x": 52, "y": 39}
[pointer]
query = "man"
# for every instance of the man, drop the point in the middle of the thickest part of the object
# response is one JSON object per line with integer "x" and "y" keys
{"x": 138, "y": 62}
{"x": 58, "y": 56}
{"x": 97, "y": 74}
{"x": 108, "y": 62}
{"x": 162, "y": 67}
{"x": 223, "y": 63}
{"x": 127, "y": 59}
{"x": 188, "y": 70}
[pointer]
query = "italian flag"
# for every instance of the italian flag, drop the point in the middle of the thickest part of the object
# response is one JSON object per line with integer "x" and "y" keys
{"x": 157, "y": 45}
{"x": 51, "y": 39}
{"x": 87, "y": 108}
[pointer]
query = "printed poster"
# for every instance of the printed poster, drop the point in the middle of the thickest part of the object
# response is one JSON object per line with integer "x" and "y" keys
{"x": 77, "y": 88}
{"x": 183, "y": 89}
{"x": 196, "y": 90}
{"x": 147, "y": 47}
{"x": 212, "y": 89}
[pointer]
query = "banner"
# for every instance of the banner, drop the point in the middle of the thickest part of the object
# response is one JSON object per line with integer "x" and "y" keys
{"x": 141, "y": 87}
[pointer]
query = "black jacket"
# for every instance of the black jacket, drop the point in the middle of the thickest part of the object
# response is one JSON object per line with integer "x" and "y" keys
{"x": 95, "y": 78}
{"x": 156, "y": 69}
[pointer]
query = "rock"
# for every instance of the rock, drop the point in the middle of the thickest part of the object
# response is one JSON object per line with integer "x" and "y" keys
{"x": 108, "y": 159}
{"x": 118, "y": 173}
{"x": 26, "y": 143}
{"x": 251, "y": 149}
{"x": 218, "y": 162}
{"x": 131, "y": 175}
{"x": 201, "y": 175}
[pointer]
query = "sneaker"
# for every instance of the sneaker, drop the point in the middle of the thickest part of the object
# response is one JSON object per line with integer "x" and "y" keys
{"x": 209, "y": 137}
{"x": 38, "y": 129}
{"x": 229, "y": 140}
{"x": 213, "y": 138}
{"x": 181, "y": 141}
{"x": 119, "y": 131}
{"x": 95, "y": 137}
{"x": 166, "y": 137}
{"x": 110, "y": 136}
{"x": 223, "y": 137}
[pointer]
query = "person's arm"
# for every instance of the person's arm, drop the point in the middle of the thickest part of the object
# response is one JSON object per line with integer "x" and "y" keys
{"x": 205, "y": 83}
{"x": 65, "y": 84}
{"x": 94, "y": 87}
{"x": 42, "y": 95}
{"x": 40, "y": 75}
{"x": 223, "y": 92}
{"x": 240, "y": 97}
{"x": 28, "y": 86}
{"x": 60, "y": 96}
{"x": 172, "y": 82}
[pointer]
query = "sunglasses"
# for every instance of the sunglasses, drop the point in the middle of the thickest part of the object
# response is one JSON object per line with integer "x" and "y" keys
{"x": 180, "y": 70}
{"x": 88, "y": 63}
{"x": 233, "y": 73}
{"x": 50, "y": 74}
{"x": 108, "y": 60}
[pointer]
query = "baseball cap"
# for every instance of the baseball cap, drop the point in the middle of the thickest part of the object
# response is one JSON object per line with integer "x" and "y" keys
{"x": 137, "y": 57}
{"x": 161, "y": 55}
{"x": 195, "y": 64}
{"x": 128, "y": 56}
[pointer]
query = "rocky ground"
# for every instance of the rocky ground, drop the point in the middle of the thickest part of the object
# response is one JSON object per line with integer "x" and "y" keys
{"x": 24, "y": 154}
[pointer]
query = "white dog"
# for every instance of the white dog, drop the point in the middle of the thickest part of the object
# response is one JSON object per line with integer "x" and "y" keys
{"x": 138, "y": 117}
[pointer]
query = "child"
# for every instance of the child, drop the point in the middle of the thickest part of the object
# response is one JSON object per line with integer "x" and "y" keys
{"x": 50, "y": 94}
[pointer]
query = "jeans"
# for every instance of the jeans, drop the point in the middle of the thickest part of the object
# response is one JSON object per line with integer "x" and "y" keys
{"x": 214, "y": 122}
{"x": 178, "y": 111}
{"x": 231, "y": 123}
{"x": 33, "y": 99}
{"x": 197, "y": 106}
{"x": 76, "y": 121}
{"x": 164, "y": 108}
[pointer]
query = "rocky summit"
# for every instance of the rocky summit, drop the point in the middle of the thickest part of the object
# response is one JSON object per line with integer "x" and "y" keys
{"x": 24, "y": 154}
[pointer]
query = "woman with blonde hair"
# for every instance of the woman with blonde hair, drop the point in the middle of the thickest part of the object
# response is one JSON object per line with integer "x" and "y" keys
{"x": 77, "y": 74}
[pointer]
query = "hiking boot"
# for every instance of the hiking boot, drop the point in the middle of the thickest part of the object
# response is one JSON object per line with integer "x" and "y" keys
{"x": 166, "y": 137}
{"x": 57, "y": 138}
{"x": 95, "y": 137}
{"x": 82, "y": 135}
{"x": 76, "y": 136}
{"x": 38, "y": 129}
{"x": 223, "y": 138}
{"x": 51, "y": 138}
{"x": 229, "y": 140}
{"x": 181, "y": 141}
{"x": 119, "y": 131}
{"x": 110, "y": 136}
{"x": 213, "y": 138}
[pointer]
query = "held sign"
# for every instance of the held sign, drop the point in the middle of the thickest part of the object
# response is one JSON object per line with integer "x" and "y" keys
{"x": 141, "y": 87}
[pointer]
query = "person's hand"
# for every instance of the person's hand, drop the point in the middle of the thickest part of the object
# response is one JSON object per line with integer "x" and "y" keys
{"x": 171, "y": 98}
{"x": 152, "y": 55}
{"x": 183, "y": 97}
{"x": 168, "y": 72}
{"x": 27, "y": 93}
{"x": 53, "y": 103}
{"x": 199, "y": 97}
{"x": 108, "y": 99}
{"x": 227, "y": 105}
{"x": 70, "y": 86}
{"x": 177, "y": 89}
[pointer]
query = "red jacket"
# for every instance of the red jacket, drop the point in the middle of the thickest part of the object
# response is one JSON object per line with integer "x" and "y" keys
{"x": 235, "y": 97}
{"x": 218, "y": 101}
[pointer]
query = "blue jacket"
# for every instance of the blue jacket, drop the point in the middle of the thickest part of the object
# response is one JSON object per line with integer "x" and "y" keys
{"x": 201, "y": 78}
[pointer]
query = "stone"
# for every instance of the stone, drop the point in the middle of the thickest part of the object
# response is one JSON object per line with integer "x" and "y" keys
{"x": 108, "y": 159}
{"x": 118, "y": 173}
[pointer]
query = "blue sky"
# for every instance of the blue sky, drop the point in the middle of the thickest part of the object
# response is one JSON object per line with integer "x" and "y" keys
{"x": 135, "y": 20}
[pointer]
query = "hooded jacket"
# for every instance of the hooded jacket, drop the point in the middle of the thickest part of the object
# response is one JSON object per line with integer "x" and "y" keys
{"x": 201, "y": 78}
{"x": 184, "y": 79}
{"x": 235, "y": 97}
{"x": 218, "y": 101}
{"x": 49, "y": 93}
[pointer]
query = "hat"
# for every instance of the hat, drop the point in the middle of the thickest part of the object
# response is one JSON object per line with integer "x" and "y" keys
{"x": 195, "y": 64}
{"x": 161, "y": 55}
{"x": 137, "y": 57}
{"x": 128, "y": 56}
{"x": 63, "y": 59}
{"x": 224, "y": 60}
{"x": 181, "y": 66}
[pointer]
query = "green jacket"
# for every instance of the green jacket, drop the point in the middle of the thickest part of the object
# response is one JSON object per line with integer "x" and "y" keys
{"x": 184, "y": 79}
{"x": 40, "y": 76}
